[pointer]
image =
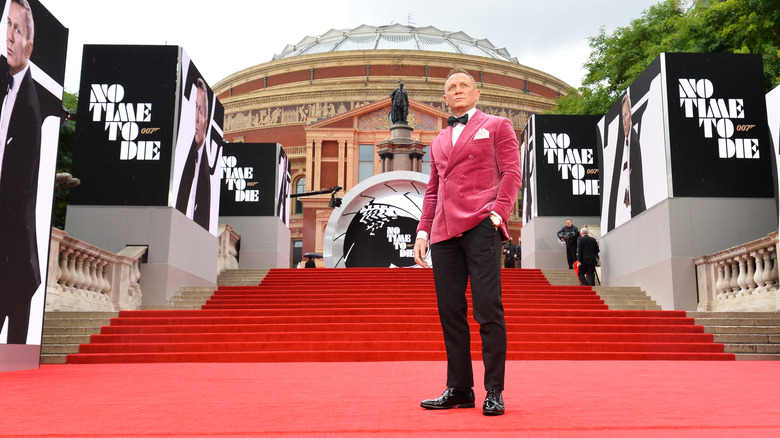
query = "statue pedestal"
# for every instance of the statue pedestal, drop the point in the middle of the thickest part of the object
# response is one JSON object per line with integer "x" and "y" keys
{"x": 401, "y": 151}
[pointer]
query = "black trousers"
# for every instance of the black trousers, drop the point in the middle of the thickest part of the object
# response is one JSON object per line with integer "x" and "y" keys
{"x": 476, "y": 255}
{"x": 587, "y": 274}
{"x": 571, "y": 255}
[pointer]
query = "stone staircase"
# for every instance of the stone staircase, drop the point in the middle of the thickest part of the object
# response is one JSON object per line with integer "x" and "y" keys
{"x": 617, "y": 298}
{"x": 749, "y": 335}
{"x": 63, "y": 332}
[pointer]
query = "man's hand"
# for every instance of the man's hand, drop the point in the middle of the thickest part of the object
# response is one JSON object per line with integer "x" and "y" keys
{"x": 420, "y": 249}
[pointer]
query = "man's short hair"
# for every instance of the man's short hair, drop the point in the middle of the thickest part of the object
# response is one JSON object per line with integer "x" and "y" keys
{"x": 29, "y": 21}
{"x": 457, "y": 70}
{"x": 583, "y": 231}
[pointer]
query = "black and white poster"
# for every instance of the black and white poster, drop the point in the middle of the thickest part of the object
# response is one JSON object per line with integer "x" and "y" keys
{"x": 773, "y": 120}
{"x": 32, "y": 71}
{"x": 195, "y": 186}
{"x": 124, "y": 135}
{"x": 529, "y": 164}
{"x": 717, "y": 125}
{"x": 633, "y": 151}
{"x": 566, "y": 165}
{"x": 255, "y": 180}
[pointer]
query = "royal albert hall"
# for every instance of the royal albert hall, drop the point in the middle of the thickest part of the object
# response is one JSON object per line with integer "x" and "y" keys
{"x": 326, "y": 100}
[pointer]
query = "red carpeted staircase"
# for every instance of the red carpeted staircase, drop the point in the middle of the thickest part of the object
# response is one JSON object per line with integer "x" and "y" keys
{"x": 375, "y": 314}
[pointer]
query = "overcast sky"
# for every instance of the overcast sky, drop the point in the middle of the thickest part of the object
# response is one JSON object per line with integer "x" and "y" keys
{"x": 225, "y": 36}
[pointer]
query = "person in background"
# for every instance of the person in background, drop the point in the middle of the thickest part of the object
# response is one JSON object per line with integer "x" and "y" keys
{"x": 587, "y": 255}
{"x": 568, "y": 234}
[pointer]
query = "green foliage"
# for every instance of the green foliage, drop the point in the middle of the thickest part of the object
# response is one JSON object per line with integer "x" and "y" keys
{"x": 64, "y": 160}
{"x": 727, "y": 26}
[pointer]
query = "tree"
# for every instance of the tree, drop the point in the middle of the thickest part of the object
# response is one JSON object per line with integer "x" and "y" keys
{"x": 64, "y": 159}
{"x": 727, "y": 26}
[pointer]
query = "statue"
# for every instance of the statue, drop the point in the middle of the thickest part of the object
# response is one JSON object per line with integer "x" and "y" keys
{"x": 399, "y": 105}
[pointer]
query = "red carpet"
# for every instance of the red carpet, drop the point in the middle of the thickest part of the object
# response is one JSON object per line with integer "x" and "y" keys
{"x": 366, "y": 314}
{"x": 342, "y": 399}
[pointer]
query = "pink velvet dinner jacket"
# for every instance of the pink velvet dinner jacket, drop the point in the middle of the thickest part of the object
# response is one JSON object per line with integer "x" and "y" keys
{"x": 479, "y": 174}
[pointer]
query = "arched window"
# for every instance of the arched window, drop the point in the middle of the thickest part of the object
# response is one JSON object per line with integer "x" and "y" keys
{"x": 300, "y": 187}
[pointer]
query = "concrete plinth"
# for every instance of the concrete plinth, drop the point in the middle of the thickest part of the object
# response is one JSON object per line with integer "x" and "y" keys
{"x": 180, "y": 252}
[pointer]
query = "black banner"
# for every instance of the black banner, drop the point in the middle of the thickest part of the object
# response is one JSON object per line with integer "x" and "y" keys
{"x": 249, "y": 179}
{"x": 566, "y": 165}
{"x": 124, "y": 136}
{"x": 718, "y": 133}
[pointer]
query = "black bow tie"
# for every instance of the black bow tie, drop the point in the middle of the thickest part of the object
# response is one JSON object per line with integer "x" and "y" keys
{"x": 462, "y": 119}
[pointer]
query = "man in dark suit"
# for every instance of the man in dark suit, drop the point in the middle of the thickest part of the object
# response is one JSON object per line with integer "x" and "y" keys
{"x": 627, "y": 188}
{"x": 568, "y": 234}
{"x": 194, "y": 197}
{"x": 20, "y": 150}
{"x": 474, "y": 181}
{"x": 587, "y": 255}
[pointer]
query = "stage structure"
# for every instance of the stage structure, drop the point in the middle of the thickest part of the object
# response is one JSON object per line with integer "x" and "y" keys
{"x": 376, "y": 224}
{"x": 148, "y": 152}
{"x": 255, "y": 201}
{"x": 560, "y": 180}
{"x": 686, "y": 170}
{"x": 30, "y": 135}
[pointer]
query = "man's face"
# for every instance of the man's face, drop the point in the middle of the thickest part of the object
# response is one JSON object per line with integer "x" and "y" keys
{"x": 200, "y": 117}
{"x": 626, "y": 117}
{"x": 19, "y": 48}
{"x": 568, "y": 223}
{"x": 460, "y": 94}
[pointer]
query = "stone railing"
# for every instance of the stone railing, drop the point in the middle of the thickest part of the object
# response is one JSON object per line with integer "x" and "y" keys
{"x": 228, "y": 248}
{"x": 742, "y": 278}
{"x": 83, "y": 277}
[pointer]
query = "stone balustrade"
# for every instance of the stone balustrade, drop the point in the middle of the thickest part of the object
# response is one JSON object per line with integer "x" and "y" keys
{"x": 84, "y": 277}
{"x": 742, "y": 278}
{"x": 228, "y": 248}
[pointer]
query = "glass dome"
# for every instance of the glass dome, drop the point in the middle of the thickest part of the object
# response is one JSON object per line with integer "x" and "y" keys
{"x": 395, "y": 37}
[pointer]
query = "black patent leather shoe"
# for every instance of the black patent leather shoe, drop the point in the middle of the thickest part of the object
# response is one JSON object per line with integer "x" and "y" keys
{"x": 452, "y": 398}
{"x": 494, "y": 403}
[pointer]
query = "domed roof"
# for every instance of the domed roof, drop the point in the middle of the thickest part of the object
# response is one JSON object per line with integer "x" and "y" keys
{"x": 395, "y": 37}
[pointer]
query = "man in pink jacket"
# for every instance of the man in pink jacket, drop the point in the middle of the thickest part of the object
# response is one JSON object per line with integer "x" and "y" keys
{"x": 475, "y": 177}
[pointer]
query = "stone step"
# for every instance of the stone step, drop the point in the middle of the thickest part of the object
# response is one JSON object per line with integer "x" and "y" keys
{"x": 738, "y": 330}
{"x": 87, "y": 314}
{"x": 741, "y": 322}
{"x": 734, "y": 314}
{"x": 748, "y": 338}
{"x": 54, "y": 359}
{"x": 60, "y": 349}
{"x": 75, "y": 322}
{"x": 748, "y": 356}
{"x": 752, "y": 348}
{"x": 71, "y": 331}
{"x": 65, "y": 339}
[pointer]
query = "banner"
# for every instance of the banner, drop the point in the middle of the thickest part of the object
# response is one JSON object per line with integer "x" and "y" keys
{"x": 566, "y": 165}
{"x": 691, "y": 125}
{"x": 195, "y": 186}
{"x": 773, "y": 119}
{"x": 32, "y": 71}
{"x": 717, "y": 125}
{"x": 124, "y": 136}
{"x": 255, "y": 180}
